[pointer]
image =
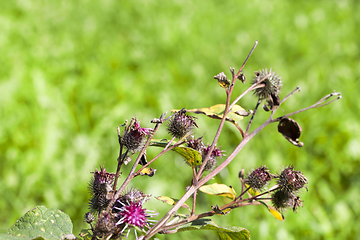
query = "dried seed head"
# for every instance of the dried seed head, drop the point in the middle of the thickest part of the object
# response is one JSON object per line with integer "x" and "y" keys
{"x": 282, "y": 199}
{"x": 134, "y": 137}
{"x": 99, "y": 187}
{"x": 258, "y": 178}
{"x": 180, "y": 124}
{"x": 272, "y": 84}
{"x": 291, "y": 180}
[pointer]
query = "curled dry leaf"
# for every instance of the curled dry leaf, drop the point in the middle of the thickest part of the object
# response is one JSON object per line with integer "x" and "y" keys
{"x": 291, "y": 130}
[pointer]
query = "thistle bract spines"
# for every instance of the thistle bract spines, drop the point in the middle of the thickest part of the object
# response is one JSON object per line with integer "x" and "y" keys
{"x": 181, "y": 124}
{"x": 291, "y": 180}
{"x": 258, "y": 178}
{"x": 272, "y": 84}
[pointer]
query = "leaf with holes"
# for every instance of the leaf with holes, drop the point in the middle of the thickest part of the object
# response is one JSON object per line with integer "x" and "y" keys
{"x": 43, "y": 223}
{"x": 233, "y": 233}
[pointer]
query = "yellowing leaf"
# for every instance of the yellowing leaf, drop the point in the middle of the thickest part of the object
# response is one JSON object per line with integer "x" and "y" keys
{"x": 224, "y": 83}
{"x": 276, "y": 214}
{"x": 148, "y": 171}
{"x": 171, "y": 201}
{"x": 219, "y": 190}
{"x": 273, "y": 211}
{"x": 222, "y": 80}
{"x": 252, "y": 191}
{"x": 235, "y": 115}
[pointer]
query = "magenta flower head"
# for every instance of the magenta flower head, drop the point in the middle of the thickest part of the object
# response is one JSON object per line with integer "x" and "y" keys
{"x": 196, "y": 144}
{"x": 99, "y": 187}
{"x": 135, "y": 136}
{"x": 131, "y": 213}
{"x": 180, "y": 124}
{"x": 211, "y": 163}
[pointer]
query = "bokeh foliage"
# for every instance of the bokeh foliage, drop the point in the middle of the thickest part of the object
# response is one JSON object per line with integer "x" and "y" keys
{"x": 72, "y": 71}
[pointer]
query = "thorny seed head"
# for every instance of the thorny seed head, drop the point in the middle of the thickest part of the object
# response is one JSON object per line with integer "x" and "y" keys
{"x": 135, "y": 195}
{"x": 291, "y": 180}
{"x": 99, "y": 187}
{"x": 283, "y": 199}
{"x": 106, "y": 226}
{"x": 135, "y": 136}
{"x": 258, "y": 178}
{"x": 272, "y": 84}
{"x": 180, "y": 124}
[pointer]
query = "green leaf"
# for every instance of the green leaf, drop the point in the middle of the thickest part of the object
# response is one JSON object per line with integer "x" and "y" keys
{"x": 273, "y": 211}
{"x": 219, "y": 190}
{"x": 233, "y": 233}
{"x": 191, "y": 156}
{"x": 42, "y": 223}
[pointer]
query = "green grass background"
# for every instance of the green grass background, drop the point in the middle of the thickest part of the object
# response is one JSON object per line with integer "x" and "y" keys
{"x": 72, "y": 71}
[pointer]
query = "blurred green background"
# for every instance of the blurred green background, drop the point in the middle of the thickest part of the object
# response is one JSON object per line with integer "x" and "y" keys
{"x": 72, "y": 71}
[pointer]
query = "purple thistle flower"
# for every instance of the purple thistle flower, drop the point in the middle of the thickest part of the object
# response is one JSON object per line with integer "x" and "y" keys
{"x": 130, "y": 212}
{"x": 133, "y": 214}
{"x": 211, "y": 163}
{"x": 215, "y": 153}
{"x": 196, "y": 144}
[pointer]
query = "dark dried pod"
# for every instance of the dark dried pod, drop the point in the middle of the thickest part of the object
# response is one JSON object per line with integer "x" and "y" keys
{"x": 291, "y": 130}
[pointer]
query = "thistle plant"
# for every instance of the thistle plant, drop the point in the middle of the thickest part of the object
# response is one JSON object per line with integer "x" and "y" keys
{"x": 116, "y": 210}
